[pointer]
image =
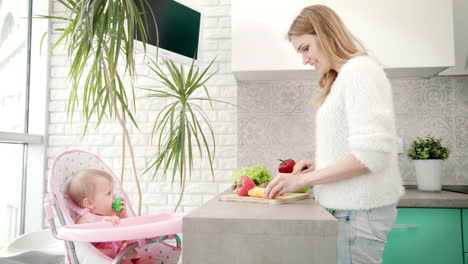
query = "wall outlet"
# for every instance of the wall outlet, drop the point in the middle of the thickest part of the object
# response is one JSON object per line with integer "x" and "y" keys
{"x": 399, "y": 141}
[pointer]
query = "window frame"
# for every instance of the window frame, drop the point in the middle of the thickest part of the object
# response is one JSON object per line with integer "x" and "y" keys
{"x": 36, "y": 120}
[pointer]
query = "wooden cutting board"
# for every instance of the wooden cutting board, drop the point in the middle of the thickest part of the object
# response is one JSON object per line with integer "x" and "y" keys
{"x": 285, "y": 198}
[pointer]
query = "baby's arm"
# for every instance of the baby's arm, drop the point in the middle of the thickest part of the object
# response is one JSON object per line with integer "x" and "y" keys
{"x": 81, "y": 220}
{"x": 108, "y": 252}
{"x": 113, "y": 219}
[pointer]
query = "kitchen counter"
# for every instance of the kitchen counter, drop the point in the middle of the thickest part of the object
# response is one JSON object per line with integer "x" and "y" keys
{"x": 298, "y": 232}
{"x": 442, "y": 199}
{"x": 234, "y": 232}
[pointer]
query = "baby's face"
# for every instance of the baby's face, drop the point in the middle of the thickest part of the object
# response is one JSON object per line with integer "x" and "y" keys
{"x": 103, "y": 197}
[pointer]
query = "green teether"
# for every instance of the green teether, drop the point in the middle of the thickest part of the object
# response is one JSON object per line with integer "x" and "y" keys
{"x": 116, "y": 204}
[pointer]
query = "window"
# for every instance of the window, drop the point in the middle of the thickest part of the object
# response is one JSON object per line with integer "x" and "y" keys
{"x": 21, "y": 151}
{"x": 10, "y": 191}
{"x": 13, "y": 64}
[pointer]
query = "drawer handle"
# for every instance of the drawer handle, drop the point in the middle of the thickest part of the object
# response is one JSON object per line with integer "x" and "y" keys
{"x": 405, "y": 226}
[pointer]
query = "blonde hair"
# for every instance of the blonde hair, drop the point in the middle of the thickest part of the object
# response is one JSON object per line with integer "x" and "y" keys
{"x": 83, "y": 185}
{"x": 338, "y": 43}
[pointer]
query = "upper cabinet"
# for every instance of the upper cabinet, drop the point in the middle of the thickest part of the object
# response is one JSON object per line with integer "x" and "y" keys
{"x": 411, "y": 39}
{"x": 460, "y": 20}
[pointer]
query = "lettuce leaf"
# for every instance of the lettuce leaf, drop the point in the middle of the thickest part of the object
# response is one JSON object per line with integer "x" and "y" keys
{"x": 259, "y": 174}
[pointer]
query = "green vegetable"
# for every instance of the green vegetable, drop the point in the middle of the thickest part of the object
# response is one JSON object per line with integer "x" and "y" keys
{"x": 259, "y": 174}
{"x": 303, "y": 190}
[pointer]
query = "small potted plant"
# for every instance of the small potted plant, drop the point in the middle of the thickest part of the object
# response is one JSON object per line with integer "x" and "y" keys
{"x": 427, "y": 155}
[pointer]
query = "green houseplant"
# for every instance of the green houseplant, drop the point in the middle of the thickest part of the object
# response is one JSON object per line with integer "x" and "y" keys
{"x": 178, "y": 127}
{"x": 99, "y": 37}
{"x": 427, "y": 155}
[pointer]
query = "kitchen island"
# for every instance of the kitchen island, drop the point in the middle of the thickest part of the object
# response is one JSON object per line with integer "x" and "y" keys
{"x": 233, "y": 232}
{"x": 299, "y": 232}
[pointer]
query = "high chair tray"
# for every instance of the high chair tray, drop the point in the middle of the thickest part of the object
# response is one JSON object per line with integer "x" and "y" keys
{"x": 139, "y": 227}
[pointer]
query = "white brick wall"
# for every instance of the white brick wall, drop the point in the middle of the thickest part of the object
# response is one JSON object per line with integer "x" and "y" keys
{"x": 159, "y": 195}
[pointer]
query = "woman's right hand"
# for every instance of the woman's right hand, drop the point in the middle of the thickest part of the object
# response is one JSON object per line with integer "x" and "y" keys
{"x": 304, "y": 166}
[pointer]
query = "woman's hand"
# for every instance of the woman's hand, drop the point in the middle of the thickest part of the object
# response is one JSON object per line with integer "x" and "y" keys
{"x": 304, "y": 166}
{"x": 284, "y": 183}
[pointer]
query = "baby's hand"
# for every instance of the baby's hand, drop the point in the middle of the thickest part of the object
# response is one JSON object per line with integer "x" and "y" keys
{"x": 123, "y": 208}
{"x": 113, "y": 219}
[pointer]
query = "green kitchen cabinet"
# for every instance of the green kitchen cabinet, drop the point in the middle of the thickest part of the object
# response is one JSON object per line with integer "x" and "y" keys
{"x": 465, "y": 231}
{"x": 466, "y": 258}
{"x": 425, "y": 235}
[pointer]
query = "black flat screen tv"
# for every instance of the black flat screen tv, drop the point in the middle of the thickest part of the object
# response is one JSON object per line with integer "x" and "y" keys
{"x": 178, "y": 29}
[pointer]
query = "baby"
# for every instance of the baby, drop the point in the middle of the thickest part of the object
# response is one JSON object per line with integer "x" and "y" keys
{"x": 94, "y": 190}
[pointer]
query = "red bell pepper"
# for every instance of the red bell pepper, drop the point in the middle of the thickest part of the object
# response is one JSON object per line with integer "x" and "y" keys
{"x": 286, "y": 166}
{"x": 244, "y": 185}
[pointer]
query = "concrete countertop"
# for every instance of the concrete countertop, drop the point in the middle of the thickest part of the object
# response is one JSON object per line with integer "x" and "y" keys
{"x": 424, "y": 199}
{"x": 442, "y": 199}
{"x": 307, "y": 209}
{"x": 412, "y": 198}
{"x": 251, "y": 233}
{"x": 235, "y": 233}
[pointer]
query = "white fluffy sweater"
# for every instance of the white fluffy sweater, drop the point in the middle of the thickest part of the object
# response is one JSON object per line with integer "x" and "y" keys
{"x": 358, "y": 118}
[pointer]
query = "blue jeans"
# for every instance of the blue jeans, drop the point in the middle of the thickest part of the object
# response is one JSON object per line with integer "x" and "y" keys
{"x": 362, "y": 234}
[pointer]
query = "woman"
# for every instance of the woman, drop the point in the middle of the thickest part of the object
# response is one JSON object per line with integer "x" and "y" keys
{"x": 355, "y": 173}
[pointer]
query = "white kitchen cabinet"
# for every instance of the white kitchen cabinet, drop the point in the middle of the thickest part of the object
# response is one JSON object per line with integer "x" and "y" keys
{"x": 460, "y": 20}
{"x": 411, "y": 39}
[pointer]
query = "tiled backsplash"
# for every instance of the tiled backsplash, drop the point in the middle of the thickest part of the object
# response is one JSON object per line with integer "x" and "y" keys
{"x": 276, "y": 120}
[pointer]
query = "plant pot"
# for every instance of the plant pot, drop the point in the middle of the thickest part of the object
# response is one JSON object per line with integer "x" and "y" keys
{"x": 429, "y": 174}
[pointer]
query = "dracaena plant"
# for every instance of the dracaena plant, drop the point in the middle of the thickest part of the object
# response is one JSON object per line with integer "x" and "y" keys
{"x": 99, "y": 37}
{"x": 179, "y": 127}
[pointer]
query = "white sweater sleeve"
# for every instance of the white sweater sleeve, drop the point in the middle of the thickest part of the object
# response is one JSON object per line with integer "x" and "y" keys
{"x": 369, "y": 112}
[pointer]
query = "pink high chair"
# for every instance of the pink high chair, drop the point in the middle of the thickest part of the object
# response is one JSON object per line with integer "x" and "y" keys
{"x": 147, "y": 233}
